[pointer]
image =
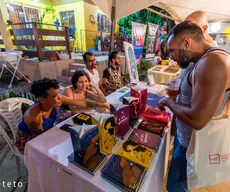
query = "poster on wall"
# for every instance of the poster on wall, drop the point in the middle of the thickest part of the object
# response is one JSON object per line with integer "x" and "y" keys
{"x": 138, "y": 39}
{"x": 151, "y": 39}
{"x": 131, "y": 62}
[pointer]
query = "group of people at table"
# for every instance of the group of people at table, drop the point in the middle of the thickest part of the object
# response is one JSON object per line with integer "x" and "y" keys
{"x": 191, "y": 47}
{"x": 85, "y": 93}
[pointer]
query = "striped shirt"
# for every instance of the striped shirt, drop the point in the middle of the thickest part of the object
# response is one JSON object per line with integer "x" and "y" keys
{"x": 184, "y": 131}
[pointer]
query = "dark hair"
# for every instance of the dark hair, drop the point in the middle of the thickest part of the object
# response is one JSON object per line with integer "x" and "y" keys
{"x": 187, "y": 28}
{"x": 39, "y": 88}
{"x": 85, "y": 55}
{"x": 164, "y": 49}
{"x": 129, "y": 142}
{"x": 76, "y": 75}
{"x": 113, "y": 124}
{"x": 112, "y": 55}
{"x": 157, "y": 51}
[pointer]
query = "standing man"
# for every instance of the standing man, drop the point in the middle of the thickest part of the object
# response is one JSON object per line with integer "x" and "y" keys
{"x": 200, "y": 18}
{"x": 90, "y": 63}
{"x": 112, "y": 79}
{"x": 196, "y": 105}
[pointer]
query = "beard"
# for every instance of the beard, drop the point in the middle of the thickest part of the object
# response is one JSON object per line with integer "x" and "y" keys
{"x": 117, "y": 64}
{"x": 93, "y": 66}
{"x": 184, "y": 58}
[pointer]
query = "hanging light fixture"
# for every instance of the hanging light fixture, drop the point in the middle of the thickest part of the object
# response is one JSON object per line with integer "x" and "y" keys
{"x": 215, "y": 27}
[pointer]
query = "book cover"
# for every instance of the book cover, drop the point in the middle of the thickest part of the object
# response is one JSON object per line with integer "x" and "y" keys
{"x": 121, "y": 114}
{"x": 152, "y": 126}
{"x": 145, "y": 138}
{"x": 107, "y": 130}
{"x": 134, "y": 105}
{"x": 137, "y": 153}
{"x": 155, "y": 114}
{"x": 153, "y": 99}
{"x": 84, "y": 118}
{"x": 86, "y": 153}
{"x": 140, "y": 93}
{"x": 123, "y": 173}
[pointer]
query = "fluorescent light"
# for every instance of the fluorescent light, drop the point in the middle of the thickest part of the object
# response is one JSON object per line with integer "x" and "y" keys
{"x": 215, "y": 27}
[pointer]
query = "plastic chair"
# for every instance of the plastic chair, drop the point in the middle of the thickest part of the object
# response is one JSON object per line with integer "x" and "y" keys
{"x": 10, "y": 110}
{"x": 18, "y": 155}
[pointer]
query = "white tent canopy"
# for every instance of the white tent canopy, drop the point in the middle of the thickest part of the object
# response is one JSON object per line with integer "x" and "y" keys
{"x": 217, "y": 10}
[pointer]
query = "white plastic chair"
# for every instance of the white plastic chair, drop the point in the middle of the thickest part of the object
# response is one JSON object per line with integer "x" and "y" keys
{"x": 18, "y": 155}
{"x": 10, "y": 60}
{"x": 10, "y": 110}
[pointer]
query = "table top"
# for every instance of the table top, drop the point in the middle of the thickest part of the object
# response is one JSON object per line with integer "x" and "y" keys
{"x": 57, "y": 145}
{"x": 11, "y": 53}
{"x": 160, "y": 69}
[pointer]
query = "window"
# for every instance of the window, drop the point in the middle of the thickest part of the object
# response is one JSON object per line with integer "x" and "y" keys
{"x": 22, "y": 14}
{"x": 103, "y": 23}
{"x": 67, "y": 18}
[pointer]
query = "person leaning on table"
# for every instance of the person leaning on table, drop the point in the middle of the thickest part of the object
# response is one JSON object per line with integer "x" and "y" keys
{"x": 199, "y": 18}
{"x": 197, "y": 103}
{"x": 41, "y": 116}
{"x": 82, "y": 88}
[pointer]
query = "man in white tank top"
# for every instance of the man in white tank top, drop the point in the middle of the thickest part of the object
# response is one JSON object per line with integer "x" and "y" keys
{"x": 200, "y": 18}
{"x": 90, "y": 69}
{"x": 187, "y": 44}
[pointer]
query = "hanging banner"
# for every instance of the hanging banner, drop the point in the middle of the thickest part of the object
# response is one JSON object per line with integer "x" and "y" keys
{"x": 151, "y": 41}
{"x": 131, "y": 62}
{"x": 138, "y": 39}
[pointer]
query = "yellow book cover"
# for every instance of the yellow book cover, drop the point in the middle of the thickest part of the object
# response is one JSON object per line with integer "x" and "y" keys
{"x": 107, "y": 133}
{"x": 85, "y": 118}
{"x": 137, "y": 153}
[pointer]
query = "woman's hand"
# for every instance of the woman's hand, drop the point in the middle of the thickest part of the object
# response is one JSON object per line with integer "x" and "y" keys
{"x": 105, "y": 105}
{"x": 92, "y": 85}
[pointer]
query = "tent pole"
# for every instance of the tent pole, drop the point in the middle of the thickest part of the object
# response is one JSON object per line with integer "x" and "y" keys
{"x": 112, "y": 29}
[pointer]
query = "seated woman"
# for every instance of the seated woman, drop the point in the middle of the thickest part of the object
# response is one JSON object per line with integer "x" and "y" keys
{"x": 42, "y": 115}
{"x": 157, "y": 59}
{"x": 83, "y": 89}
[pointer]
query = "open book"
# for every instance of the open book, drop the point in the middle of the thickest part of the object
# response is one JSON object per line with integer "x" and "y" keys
{"x": 125, "y": 174}
{"x": 85, "y": 141}
{"x": 137, "y": 153}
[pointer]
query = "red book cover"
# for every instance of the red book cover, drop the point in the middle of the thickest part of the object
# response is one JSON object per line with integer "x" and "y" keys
{"x": 158, "y": 115}
{"x": 145, "y": 138}
{"x": 140, "y": 93}
{"x": 134, "y": 105}
{"x": 121, "y": 113}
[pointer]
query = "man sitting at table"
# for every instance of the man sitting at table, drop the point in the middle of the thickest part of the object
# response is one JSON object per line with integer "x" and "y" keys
{"x": 90, "y": 69}
{"x": 41, "y": 116}
{"x": 112, "y": 79}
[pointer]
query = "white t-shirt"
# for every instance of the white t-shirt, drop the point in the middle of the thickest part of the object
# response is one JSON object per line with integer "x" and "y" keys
{"x": 155, "y": 62}
{"x": 94, "y": 78}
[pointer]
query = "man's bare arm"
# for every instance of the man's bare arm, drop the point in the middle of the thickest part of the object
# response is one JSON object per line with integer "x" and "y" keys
{"x": 211, "y": 82}
{"x": 105, "y": 85}
{"x": 35, "y": 128}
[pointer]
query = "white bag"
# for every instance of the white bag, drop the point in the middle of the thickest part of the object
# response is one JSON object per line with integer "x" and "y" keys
{"x": 208, "y": 154}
